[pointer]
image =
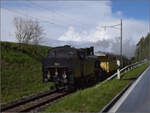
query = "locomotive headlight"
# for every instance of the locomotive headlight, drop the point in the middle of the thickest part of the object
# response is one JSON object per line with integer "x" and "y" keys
{"x": 64, "y": 75}
{"x": 48, "y": 75}
{"x": 56, "y": 72}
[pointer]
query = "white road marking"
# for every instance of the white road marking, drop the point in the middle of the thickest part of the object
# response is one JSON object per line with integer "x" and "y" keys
{"x": 125, "y": 95}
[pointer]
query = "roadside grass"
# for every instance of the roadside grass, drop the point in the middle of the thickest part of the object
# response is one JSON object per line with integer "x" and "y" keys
{"x": 95, "y": 98}
{"x": 21, "y": 70}
{"x": 133, "y": 73}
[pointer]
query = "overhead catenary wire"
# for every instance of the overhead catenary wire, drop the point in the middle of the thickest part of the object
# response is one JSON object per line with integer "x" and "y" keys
{"x": 63, "y": 15}
{"x": 32, "y": 17}
{"x": 40, "y": 19}
{"x": 48, "y": 20}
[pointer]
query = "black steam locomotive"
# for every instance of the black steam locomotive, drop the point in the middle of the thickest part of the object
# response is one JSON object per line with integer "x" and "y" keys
{"x": 70, "y": 67}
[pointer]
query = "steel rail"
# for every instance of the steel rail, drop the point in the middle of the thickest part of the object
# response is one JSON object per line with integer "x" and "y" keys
{"x": 31, "y": 102}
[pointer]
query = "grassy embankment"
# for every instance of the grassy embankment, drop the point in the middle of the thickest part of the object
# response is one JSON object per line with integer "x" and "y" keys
{"x": 21, "y": 70}
{"x": 95, "y": 98}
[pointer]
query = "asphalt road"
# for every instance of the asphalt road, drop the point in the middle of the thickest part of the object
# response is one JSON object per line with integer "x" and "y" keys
{"x": 137, "y": 97}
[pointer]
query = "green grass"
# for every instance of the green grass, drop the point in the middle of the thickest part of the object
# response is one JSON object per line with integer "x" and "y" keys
{"x": 95, "y": 98}
{"x": 21, "y": 70}
{"x": 133, "y": 73}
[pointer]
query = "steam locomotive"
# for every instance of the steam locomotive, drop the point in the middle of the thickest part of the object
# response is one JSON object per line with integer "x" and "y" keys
{"x": 71, "y": 67}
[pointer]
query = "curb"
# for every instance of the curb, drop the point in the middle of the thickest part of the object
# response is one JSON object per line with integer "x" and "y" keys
{"x": 108, "y": 106}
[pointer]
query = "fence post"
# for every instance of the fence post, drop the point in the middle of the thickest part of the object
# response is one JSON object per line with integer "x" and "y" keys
{"x": 118, "y": 70}
{"x": 118, "y": 73}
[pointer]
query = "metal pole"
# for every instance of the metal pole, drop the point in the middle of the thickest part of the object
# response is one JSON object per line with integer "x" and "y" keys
{"x": 113, "y": 26}
{"x": 121, "y": 61}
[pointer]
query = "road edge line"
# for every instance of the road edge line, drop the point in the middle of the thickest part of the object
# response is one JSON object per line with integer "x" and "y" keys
{"x": 108, "y": 106}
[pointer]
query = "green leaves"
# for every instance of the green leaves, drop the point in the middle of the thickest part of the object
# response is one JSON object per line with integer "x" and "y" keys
{"x": 143, "y": 48}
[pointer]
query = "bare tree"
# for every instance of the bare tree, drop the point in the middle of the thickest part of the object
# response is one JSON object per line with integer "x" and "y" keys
{"x": 38, "y": 33}
{"x": 28, "y": 30}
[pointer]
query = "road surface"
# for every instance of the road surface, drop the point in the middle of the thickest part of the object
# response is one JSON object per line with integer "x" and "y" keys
{"x": 137, "y": 98}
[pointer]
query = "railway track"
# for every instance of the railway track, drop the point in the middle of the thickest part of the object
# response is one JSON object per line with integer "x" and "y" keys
{"x": 36, "y": 102}
{"x": 33, "y": 103}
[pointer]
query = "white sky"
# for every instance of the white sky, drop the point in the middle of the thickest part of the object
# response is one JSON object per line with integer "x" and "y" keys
{"x": 78, "y": 24}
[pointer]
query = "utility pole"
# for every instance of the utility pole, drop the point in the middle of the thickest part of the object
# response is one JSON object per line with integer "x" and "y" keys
{"x": 121, "y": 44}
{"x": 119, "y": 63}
{"x": 114, "y": 26}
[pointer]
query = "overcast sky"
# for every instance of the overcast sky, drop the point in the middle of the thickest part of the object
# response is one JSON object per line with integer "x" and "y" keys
{"x": 79, "y": 23}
